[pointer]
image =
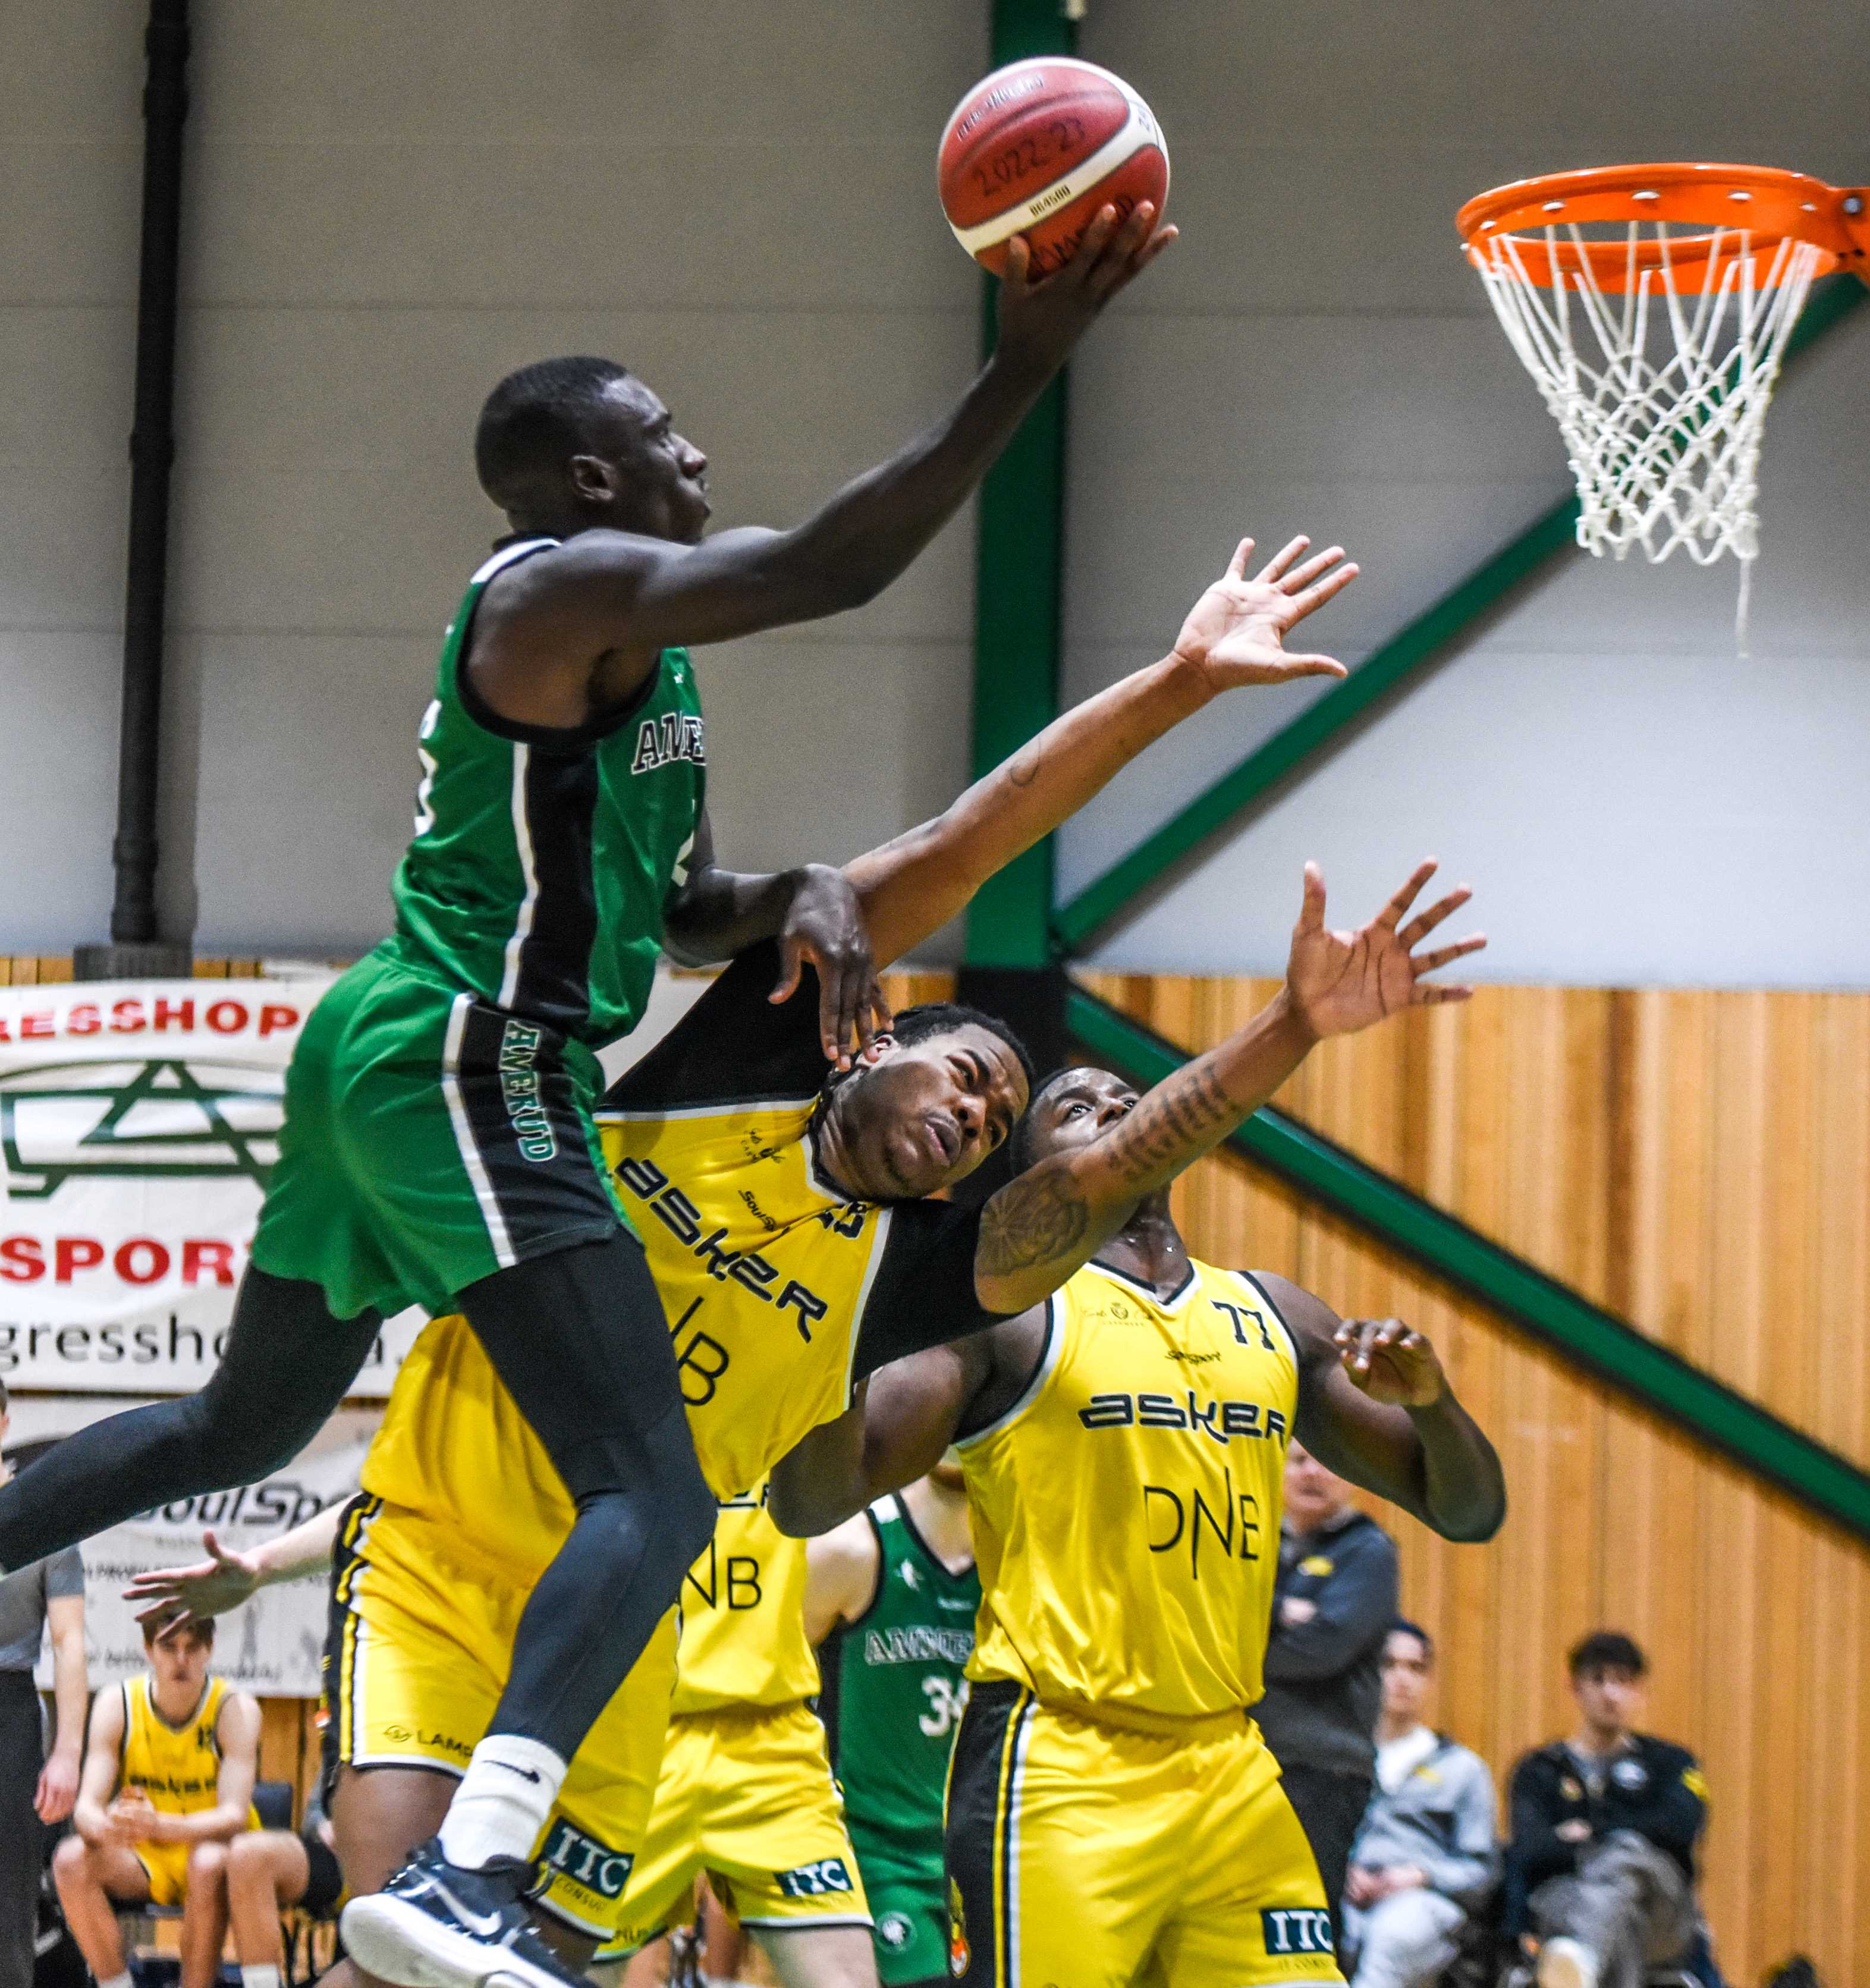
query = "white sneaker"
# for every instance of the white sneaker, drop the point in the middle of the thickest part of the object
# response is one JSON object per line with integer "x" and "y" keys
{"x": 1566, "y": 1963}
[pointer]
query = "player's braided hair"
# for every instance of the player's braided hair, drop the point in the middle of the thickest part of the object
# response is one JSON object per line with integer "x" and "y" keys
{"x": 536, "y": 417}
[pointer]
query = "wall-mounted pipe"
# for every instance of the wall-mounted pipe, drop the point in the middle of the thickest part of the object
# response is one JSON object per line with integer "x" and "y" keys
{"x": 135, "y": 947}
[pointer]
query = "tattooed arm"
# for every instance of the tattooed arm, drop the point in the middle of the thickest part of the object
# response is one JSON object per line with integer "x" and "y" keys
{"x": 1039, "y": 1229}
{"x": 1234, "y": 635}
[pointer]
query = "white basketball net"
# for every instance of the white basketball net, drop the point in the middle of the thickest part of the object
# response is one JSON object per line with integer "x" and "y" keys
{"x": 1664, "y": 443}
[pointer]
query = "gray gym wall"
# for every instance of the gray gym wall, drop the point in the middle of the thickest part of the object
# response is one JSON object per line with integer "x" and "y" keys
{"x": 389, "y": 207}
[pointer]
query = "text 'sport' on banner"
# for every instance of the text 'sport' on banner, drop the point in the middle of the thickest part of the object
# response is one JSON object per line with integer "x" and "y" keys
{"x": 139, "y": 1125}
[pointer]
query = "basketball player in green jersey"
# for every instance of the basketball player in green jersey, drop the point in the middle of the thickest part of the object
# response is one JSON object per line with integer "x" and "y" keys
{"x": 438, "y": 1148}
{"x": 890, "y": 1600}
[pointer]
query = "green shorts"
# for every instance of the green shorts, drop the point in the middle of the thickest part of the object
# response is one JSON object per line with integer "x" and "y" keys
{"x": 908, "y": 1911}
{"x": 430, "y": 1139}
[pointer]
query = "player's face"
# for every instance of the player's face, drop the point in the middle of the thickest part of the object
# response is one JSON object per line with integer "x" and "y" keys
{"x": 660, "y": 478}
{"x": 1405, "y": 1671}
{"x": 921, "y": 1118}
{"x": 1313, "y": 1494}
{"x": 1076, "y": 1108}
{"x": 179, "y": 1663}
{"x": 1608, "y": 1699}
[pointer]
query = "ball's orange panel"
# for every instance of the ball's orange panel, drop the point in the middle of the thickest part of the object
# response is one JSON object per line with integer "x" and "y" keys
{"x": 1011, "y": 147}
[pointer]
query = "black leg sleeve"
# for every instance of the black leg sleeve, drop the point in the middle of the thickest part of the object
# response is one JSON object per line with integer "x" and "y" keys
{"x": 287, "y": 1365}
{"x": 579, "y": 1339}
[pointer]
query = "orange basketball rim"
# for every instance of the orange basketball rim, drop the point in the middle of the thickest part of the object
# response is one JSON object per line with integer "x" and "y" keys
{"x": 1747, "y": 212}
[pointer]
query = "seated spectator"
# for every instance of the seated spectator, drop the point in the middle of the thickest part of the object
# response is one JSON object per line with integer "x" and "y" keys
{"x": 1602, "y": 1864}
{"x": 167, "y": 1785}
{"x": 1333, "y": 1599}
{"x": 267, "y": 1870}
{"x": 1425, "y": 1856}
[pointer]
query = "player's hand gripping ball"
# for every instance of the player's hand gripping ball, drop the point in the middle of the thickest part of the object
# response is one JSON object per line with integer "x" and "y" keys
{"x": 1037, "y": 148}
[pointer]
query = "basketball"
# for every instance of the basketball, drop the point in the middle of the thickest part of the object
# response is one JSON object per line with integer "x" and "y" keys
{"x": 1037, "y": 148}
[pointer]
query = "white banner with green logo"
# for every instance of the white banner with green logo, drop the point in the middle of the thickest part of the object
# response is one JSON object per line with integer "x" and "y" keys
{"x": 139, "y": 1123}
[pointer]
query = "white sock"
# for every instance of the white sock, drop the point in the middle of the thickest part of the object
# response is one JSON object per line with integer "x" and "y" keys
{"x": 259, "y": 1974}
{"x": 502, "y": 1802}
{"x": 116, "y": 1980}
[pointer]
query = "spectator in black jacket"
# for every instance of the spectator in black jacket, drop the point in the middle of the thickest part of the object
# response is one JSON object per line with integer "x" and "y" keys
{"x": 1333, "y": 1604}
{"x": 1601, "y": 1869}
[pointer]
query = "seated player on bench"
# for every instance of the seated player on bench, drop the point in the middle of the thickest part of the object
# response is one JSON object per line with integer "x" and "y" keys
{"x": 168, "y": 1785}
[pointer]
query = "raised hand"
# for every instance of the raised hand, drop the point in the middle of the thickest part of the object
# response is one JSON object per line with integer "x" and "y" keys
{"x": 1042, "y": 317}
{"x": 174, "y": 1596}
{"x": 1236, "y": 633}
{"x": 1340, "y": 982}
{"x": 1389, "y": 1362}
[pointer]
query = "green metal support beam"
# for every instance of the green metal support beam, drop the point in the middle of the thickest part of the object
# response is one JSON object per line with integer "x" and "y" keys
{"x": 1019, "y": 571}
{"x": 1586, "y": 1336}
{"x": 1318, "y": 730}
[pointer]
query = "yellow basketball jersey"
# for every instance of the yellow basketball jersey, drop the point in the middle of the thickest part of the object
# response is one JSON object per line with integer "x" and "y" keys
{"x": 177, "y": 1767}
{"x": 763, "y": 1274}
{"x": 743, "y": 1615}
{"x": 1126, "y": 1508}
{"x": 763, "y": 1269}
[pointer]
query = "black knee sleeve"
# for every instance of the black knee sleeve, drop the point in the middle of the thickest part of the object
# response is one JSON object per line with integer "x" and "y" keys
{"x": 581, "y": 1342}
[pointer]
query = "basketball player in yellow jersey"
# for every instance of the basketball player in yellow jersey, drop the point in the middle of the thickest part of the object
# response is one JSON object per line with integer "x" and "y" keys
{"x": 1113, "y": 1815}
{"x": 167, "y": 1782}
{"x": 785, "y": 1225}
{"x": 746, "y": 1794}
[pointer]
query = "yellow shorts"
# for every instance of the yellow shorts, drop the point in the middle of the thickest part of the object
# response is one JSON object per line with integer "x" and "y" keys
{"x": 1082, "y": 1854}
{"x": 167, "y": 1866}
{"x": 746, "y": 1796}
{"x": 421, "y": 1638}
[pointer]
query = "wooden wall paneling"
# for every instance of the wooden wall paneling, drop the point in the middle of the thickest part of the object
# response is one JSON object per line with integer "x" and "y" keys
{"x": 1702, "y": 1162}
{"x": 282, "y": 1721}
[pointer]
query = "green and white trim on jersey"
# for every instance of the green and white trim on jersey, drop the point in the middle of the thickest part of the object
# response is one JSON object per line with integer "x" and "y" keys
{"x": 543, "y": 860}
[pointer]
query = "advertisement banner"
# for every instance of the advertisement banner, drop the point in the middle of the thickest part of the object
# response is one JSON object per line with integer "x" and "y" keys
{"x": 270, "y": 1645}
{"x": 139, "y": 1123}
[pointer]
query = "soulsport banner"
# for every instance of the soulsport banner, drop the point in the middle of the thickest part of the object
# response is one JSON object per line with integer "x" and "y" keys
{"x": 139, "y": 1123}
{"x": 268, "y": 1645}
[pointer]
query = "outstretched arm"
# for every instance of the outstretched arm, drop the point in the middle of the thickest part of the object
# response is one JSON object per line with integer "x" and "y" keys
{"x": 1234, "y": 635}
{"x": 1375, "y": 1406}
{"x": 172, "y": 1596}
{"x": 1040, "y": 1227}
{"x": 612, "y": 594}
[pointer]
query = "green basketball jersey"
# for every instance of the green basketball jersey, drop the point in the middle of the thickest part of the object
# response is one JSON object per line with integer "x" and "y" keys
{"x": 893, "y": 1693}
{"x": 542, "y": 859}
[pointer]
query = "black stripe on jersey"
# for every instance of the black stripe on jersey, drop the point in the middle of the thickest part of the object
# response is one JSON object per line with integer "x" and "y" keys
{"x": 975, "y": 1832}
{"x": 538, "y": 1164}
{"x": 553, "y": 982}
{"x": 932, "y": 1561}
{"x": 340, "y": 1651}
